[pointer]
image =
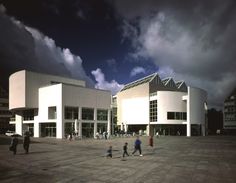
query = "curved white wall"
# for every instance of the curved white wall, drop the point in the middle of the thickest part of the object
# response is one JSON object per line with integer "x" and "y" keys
{"x": 170, "y": 101}
{"x": 196, "y": 97}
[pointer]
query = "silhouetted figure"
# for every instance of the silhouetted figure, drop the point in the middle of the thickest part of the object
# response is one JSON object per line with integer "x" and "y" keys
{"x": 151, "y": 141}
{"x": 26, "y": 142}
{"x": 125, "y": 148}
{"x": 109, "y": 152}
{"x": 13, "y": 145}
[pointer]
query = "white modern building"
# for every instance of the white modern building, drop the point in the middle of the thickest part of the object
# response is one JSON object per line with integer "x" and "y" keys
{"x": 154, "y": 105}
{"x": 53, "y": 106}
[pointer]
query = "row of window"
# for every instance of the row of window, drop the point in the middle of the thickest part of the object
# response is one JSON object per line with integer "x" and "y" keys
{"x": 230, "y": 117}
{"x": 170, "y": 115}
{"x": 72, "y": 113}
{"x": 230, "y": 109}
{"x": 177, "y": 115}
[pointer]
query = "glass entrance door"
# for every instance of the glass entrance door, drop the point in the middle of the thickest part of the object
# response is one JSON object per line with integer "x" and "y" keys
{"x": 48, "y": 129}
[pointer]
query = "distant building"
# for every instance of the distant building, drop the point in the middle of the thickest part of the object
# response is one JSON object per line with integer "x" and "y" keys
{"x": 5, "y": 114}
{"x": 53, "y": 106}
{"x": 230, "y": 111}
{"x": 215, "y": 121}
{"x": 164, "y": 106}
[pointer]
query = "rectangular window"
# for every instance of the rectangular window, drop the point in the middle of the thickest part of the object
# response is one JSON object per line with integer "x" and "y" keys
{"x": 52, "y": 112}
{"x": 87, "y": 113}
{"x": 71, "y": 113}
{"x": 176, "y": 115}
{"x": 170, "y": 115}
{"x": 102, "y": 115}
{"x": 153, "y": 111}
{"x": 184, "y": 116}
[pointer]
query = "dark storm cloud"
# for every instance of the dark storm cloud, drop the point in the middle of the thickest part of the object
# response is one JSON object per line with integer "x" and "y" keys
{"x": 23, "y": 47}
{"x": 190, "y": 40}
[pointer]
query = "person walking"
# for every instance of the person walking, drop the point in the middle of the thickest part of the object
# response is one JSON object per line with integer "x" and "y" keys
{"x": 14, "y": 143}
{"x": 137, "y": 146}
{"x": 151, "y": 141}
{"x": 125, "y": 148}
{"x": 109, "y": 152}
{"x": 26, "y": 142}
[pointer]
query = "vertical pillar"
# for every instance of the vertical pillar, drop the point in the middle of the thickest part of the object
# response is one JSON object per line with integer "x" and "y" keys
{"x": 148, "y": 130}
{"x": 188, "y": 115}
{"x": 36, "y": 127}
{"x": 80, "y": 123}
{"x": 95, "y": 130}
{"x": 109, "y": 122}
{"x": 203, "y": 130}
{"x": 76, "y": 125}
{"x": 19, "y": 124}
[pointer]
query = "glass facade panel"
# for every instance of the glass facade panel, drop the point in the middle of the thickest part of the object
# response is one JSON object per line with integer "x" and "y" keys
{"x": 87, "y": 113}
{"x": 102, "y": 115}
{"x": 48, "y": 129}
{"x": 153, "y": 110}
{"x": 71, "y": 113}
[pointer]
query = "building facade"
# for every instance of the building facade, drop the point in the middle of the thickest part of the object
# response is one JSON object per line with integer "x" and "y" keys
{"x": 5, "y": 114}
{"x": 53, "y": 106}
{"x": 230, "y": 112}
{"x": 164, "y": 106}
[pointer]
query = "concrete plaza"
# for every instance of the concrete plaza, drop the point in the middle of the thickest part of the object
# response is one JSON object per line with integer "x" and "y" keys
{"x": 174, "y": 159}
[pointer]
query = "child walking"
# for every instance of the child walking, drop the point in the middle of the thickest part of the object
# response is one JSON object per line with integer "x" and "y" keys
{"x": 125, "y": 148}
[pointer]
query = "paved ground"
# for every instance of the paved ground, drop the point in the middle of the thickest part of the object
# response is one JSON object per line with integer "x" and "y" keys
{"x": 173, "y": 160}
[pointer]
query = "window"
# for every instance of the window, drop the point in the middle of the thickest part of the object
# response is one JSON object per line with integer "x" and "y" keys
{"x": 153, "y": 110}
{"x": 176, "y": 115}
{"x": 52, "y": 112}
{"x": 87, "y": 114}
{"x": 28, "y": 115}
{"x": 71, "y": 113}
{"x": 102, "y": 115}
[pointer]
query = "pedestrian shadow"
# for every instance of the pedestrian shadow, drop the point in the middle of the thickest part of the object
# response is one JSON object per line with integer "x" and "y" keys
{"x": 35, "y": 152}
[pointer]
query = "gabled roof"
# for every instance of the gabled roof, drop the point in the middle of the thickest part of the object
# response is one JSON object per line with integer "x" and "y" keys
{"x": 139, "y": 82}
{"x": 179, "y": 84}
{"x": 165, "y": 84}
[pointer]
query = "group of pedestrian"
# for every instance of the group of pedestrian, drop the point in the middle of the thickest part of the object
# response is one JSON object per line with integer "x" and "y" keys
{"x": 137, "y": 147}
{"x": 14, "y": 143}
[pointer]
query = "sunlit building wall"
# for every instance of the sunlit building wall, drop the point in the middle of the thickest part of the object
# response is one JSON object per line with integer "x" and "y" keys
{"x": 154, "y": 105}
{"x": 56, "y": 106}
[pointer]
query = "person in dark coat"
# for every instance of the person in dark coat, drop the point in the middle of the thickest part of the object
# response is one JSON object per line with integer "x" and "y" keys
{"x": 14, "y": 143}
{"x": 109, "y": 152}
{"x": 26, "y": 142}
{"x": 125, "y": 148}
{"x": 137, "y": 146}
{"x": 151, "y": 141}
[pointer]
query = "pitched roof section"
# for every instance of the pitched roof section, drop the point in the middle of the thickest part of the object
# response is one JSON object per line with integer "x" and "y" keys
{"x": 169, "y": 82}
{"x": 181, "y": 85}
{"x": 146, "y": 79}
{"x": 166, "y": 84}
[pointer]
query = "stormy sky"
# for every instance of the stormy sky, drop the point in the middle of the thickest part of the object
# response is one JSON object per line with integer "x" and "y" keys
{"x": 110, "y": 43}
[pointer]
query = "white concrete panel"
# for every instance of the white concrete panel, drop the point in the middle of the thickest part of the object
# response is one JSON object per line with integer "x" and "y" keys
{"x": 17, "y": 92}
{"x": 135, "y": 110}
{"x": 170, "y": 101}
{"x": 86, "y": 97}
